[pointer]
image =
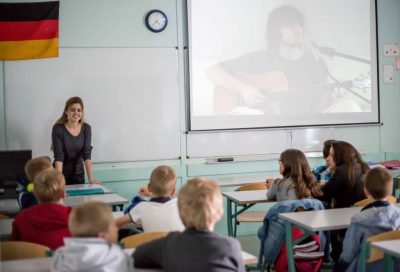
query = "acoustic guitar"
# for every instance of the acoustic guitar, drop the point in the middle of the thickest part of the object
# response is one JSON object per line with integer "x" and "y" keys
{"x": 275, "y": 89}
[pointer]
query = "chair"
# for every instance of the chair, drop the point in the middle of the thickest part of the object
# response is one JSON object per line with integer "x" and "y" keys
{"x": 368, "y": 254}
{"x": 3, "y": 216}
{"x": 15, "y": 250}
{"x": 137, "y": 239}
{"x": 365, "y": 202}
{"x": 251, "y": 216}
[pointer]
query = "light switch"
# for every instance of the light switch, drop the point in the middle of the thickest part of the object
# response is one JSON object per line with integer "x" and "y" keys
{"x": 388, "y": 74}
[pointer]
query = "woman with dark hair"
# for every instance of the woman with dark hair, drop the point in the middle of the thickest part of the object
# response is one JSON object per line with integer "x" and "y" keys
{"x": 71, "y": 143}
{"x": 345, "y": 187}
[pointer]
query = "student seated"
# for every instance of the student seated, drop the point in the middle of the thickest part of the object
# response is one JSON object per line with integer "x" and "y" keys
{"x": 377, "y": 217}
{"x": 345, "y": 187}
{"x": 93, "y": 247}
{"x": 323, "y": 173}
{"x": 160, "y": 213}
{"x": 32, "y": 168}
{"x": 47, "y": 222}
{"x": 297, "y": 182}
{"x": 198, "y": 248}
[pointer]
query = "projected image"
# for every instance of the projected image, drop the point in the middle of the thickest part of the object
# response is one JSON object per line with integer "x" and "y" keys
{"x": 298, "y": 63}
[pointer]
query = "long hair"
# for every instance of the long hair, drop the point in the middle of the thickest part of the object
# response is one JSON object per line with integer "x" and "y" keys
{"x": 326, "y": 148}
{"x": 347, "y": 156}
{"x": 296, "y": 166}
{"x": 278, "y": 18}
{"x": 72, "y": 100}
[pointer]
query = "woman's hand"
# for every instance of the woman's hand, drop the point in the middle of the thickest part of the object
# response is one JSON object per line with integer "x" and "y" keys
{"x": 94, "y": 181}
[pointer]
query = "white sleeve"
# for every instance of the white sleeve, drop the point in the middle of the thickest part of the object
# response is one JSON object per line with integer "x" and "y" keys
{"x": 136, "y": 214}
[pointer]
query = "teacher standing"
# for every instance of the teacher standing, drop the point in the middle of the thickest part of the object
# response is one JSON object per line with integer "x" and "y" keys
{"x": 71, "y": 142}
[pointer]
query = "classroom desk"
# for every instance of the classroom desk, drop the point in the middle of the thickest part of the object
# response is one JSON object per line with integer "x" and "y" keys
{"x": 111, "y": 199}
{"x": 9, "y": 206}
{"x": 44, "y": 264}
{"x": 246, "y": 199}
{"x": 312, "y": 221}
{"x": 5, "y": 228}
{"x": 391, "y": 250}
{"x": 243, "y": 180}
{"x": 86, "y": 186}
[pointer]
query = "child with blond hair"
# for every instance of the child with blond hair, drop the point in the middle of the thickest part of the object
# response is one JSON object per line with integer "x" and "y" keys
{"x": 32, "y": 168}
{"x": 198, "y": 248}
{"x": 93, "y": 247}
{"x": 47, "y": 222}
{"x": 160, "y": 213}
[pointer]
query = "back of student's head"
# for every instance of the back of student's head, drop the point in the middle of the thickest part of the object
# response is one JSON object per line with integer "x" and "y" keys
{"x": 49, "y": 186}
{"x": 89, "y": 219}
{"x": 326, "y": 148}
{"x": 162, "y": 180}
{"x": 35, "y": 166}
{"x": 296, "y": 166}
{"x": 200, "y": 203}
{"x": 378, "y": 182}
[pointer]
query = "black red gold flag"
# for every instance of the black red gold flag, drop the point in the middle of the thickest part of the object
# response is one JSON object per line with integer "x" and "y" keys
{"x": 29, "y": 30}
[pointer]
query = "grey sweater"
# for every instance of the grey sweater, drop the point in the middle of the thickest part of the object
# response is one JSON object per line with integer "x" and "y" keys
{"x": 191, "y": 250}
{"x": 282, "y": 189}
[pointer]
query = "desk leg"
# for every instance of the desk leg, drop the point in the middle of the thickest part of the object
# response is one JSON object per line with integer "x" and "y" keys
{"x": 229, "y": 216}
{"x": 388, "y": 260}
{"x": 289, "y": 246}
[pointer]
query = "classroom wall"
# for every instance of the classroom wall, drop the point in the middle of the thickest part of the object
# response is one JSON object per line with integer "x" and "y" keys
{"x": 79, "y": 28}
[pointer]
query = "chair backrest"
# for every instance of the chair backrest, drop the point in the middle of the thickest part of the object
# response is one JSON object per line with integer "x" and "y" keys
{"x": 253, "y": 186}
{"x": 135, "y": 240}
{"x": 376, "y": 254}
{"x": 365, "y": 202}
{"x": 16, "y": 250}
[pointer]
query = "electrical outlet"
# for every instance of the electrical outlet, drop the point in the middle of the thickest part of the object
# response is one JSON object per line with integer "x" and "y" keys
{"x": 391, "y": 50}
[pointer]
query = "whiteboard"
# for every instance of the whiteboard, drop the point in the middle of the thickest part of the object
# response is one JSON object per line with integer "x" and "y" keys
{"x": 131, "y": 98}
{"x": 237, "y": 143}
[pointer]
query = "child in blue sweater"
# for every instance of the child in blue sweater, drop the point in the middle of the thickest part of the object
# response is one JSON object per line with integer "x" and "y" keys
{"x": 377, "y": 217}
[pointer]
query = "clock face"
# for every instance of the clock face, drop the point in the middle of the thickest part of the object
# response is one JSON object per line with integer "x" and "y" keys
{"x": 156, "y": 20}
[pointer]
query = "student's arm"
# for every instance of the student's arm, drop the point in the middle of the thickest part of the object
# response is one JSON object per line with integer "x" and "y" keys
{"x": 332, "y": 187}
{"x": 149, "y": 255}
{"x": 273, "y": 189}
{"x": 15, "y": 233}
{"x": 123, "y": 220}
{"x": 351, "y": 244}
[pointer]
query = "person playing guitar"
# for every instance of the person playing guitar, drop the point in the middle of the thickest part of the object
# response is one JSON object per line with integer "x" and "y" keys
{"x": 285, "y": 78}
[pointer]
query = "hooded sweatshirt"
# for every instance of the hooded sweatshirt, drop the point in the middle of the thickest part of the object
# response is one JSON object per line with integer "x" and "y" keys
{"x": 375, "y": 218}
{"x": 91, "y": 254}
{"x": 45, "y": 224}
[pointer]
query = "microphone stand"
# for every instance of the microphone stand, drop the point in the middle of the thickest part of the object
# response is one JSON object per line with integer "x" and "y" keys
{"x": 331, "y": 53}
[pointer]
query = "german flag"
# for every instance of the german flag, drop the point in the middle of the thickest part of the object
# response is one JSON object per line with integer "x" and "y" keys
{"x": 29, "y": 30}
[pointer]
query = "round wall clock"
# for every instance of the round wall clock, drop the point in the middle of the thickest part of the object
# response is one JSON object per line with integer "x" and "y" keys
{"x": 156, "y": 20}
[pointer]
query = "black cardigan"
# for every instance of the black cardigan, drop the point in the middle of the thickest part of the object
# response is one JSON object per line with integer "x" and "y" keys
{"x": 337, "y": 188}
